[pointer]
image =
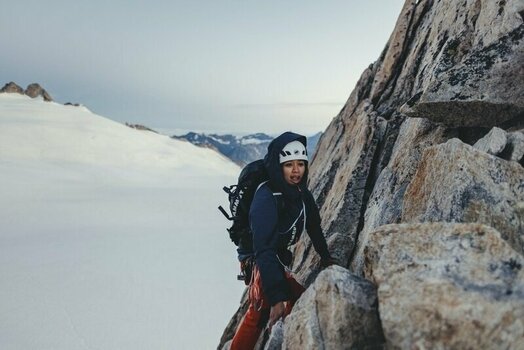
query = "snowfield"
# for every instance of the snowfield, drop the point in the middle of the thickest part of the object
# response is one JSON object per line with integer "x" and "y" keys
{"x": 109, "y": 236}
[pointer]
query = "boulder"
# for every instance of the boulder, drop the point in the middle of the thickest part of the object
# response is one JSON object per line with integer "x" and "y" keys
{"x": 447, "y": 286}
{"x": 338, "y": 311}
{"x": 35, "y": 90}
{"x": 493, "y": 143}
{"x": 306, "y": 261}
{"x": 515, "y": 147}
{"x": 11, "y": 87}
{"x": 276, "y": 337}
{"x": 455, "y": 182}
{"x": 506, "y": 145}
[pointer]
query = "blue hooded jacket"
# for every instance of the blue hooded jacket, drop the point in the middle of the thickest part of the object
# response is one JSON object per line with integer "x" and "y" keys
{"x": 274, "y": 230}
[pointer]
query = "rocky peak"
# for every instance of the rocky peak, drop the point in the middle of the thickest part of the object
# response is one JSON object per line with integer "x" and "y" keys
{"x": 420, "y": 184}
{"x": 12, "y": 87}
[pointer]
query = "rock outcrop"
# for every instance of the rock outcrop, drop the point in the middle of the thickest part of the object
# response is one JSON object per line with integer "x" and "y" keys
{"x": 32, "y": 90}
{"x": 414, "y": 59}
{"x": 431, "y": 144}
{"x": 11, "y": 88}
{"x": 140, "y": 127}
{"x": 35, "y": 90}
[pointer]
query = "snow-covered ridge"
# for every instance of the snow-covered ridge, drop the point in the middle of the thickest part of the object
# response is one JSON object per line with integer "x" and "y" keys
{"x": 109, "y": 236}
{"x": 46, "y": 131}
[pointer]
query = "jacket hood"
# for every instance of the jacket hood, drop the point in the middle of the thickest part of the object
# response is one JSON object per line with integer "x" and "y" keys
{"x": 274, "y": 168}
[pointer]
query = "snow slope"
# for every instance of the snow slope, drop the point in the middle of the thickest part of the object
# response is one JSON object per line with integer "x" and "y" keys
{"x": 109, "y": 236}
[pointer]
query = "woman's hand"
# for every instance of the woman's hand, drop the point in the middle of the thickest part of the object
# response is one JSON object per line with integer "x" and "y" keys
{"x": 277, "y": 312}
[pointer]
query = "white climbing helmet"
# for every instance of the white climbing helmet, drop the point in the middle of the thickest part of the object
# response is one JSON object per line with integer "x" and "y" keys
{"x": 294, "y": 150}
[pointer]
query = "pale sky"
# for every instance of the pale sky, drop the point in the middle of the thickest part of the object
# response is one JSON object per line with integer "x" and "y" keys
{"x": 213, "y": 66}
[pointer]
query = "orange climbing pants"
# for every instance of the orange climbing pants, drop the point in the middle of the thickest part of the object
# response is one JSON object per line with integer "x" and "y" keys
{"x": 257, "y": 315}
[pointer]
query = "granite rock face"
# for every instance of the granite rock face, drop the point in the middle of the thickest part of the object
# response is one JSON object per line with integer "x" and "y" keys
{"x": 430, "y": 39}
{"x": 431, "y": 135}
{"x": 386, "y": 200}
{"x": 447, "y": 286}
{"x": 339, "y": 183}
{"x": 339, "y": 311}
{"x": 472, "y": 78}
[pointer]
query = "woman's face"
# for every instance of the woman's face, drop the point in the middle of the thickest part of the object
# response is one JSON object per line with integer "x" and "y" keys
{"x": 293, "y": 171}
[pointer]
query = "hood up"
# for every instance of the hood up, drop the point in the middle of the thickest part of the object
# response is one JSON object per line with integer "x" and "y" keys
{"x": 274, "y": 168}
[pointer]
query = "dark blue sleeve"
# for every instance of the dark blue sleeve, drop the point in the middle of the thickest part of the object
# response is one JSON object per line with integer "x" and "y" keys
{"x": 314, "y": 229}
{"x": 263, "y": 218}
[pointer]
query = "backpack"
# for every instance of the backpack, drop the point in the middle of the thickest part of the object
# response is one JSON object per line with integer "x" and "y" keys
{"x": 240, "y": 197}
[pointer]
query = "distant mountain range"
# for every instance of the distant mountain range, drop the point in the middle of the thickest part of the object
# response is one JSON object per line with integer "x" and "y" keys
{"x": 240, "y": 149}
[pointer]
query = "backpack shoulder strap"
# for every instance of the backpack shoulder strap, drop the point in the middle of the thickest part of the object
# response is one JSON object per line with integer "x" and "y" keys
{"x": 278, "y": 198}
